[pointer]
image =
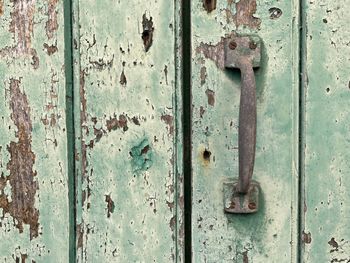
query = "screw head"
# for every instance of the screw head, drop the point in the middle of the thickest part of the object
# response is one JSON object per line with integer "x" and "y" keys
{"x": 253, "y": 45}
{"x": 232, "y": 45}
{"x": 252, "y": 205}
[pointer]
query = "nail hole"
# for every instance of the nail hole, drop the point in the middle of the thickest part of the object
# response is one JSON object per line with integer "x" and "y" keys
{"x": 328, "y": 90}
{"x": 253, "y": 45}
{"x": 209, "y": 5}
{"x": 252, "y": 205}
{"x": 206, "y": 155}
{"x": 233, "y": 45}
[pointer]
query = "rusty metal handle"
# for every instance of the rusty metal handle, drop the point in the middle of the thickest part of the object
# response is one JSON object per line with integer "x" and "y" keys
{"x": 247, "y": 126}
{"x": 244, "y": 53}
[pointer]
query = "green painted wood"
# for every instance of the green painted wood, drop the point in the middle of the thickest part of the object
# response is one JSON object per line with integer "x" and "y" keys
{"x": 271, "y": 234}
{"x": 34, "y": 214}
{"x": 326, "y": 232}
{"x": 128, "y": 120}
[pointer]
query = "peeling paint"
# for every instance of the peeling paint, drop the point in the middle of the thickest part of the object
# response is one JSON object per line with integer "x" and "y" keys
{"x": 211, "y": 97}
{"x": 21, "y": 25}
{"x": 114, "y": 123}
{"x": 123, "y": 80}
{"x": 52, "y": 49}
{"x": 147, "y": 33}
{"x": 306, "y": 237}
{"x": 244, "y": 16}
{"x": 169, "y": 120}
{"x": 110, "y": 205}
{"x": 22, "y": 177}
{"x": 203, "y": 75}
{"x": 52, "y": 23}
{"x": 213, "y": 52}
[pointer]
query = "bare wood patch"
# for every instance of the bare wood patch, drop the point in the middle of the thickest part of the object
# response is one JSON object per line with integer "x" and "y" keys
{"x": 52, "y": 23}
{"x": 21, "y": 206}
{"x": 1, "y": 7}
{"x": 50, "y": 49}
{"x": 110, "y": 205}
{"x": 21, "y": 25}
{"x": 169, "y": 120}
{"x": 244, "y": 16}
{"x": 211, "y": 97}
{"x": 213, "y": 52}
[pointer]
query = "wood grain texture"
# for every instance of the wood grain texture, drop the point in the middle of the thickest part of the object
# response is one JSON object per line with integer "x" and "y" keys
{"x": 129, "y": 155}
{"x": 271, "y": 234}
{"x": 326, "y": 60}
{"x": 34, "y": 214}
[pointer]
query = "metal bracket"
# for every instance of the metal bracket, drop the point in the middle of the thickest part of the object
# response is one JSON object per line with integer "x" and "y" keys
{"x": 238, "y": 203}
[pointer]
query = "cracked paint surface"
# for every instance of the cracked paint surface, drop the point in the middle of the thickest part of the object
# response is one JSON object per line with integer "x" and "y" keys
{"x": 34, "y": 216}
{"x": 271, "y": 234}
{"x": 128, "y": 156}
{"x": 327, "y": 138}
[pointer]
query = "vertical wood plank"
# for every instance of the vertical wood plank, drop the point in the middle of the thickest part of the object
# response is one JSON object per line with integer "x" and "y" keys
{"x": 326, "y": 233}
{"x": 34, "y": 214}
{"x": 130, "y": 118}
{"x": 271, "y": 234}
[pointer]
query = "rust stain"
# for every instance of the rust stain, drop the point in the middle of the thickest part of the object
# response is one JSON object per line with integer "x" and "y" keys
{"x": 51, "y": 23}
{"x": 147, "y": 33}
{"x": 211, "y": 97}
{"x": 50, "y": 49}
{"x": 244, "y": 16}
{"x": 110, "y": 205}
{"x": 306, "y": 237}
{"x": 169, "y": 120}
{"x": 21, "y": 178}
{"x": 209, "y": 5}
{"x": 115, "y": 123}
{"x": 213, "y": 52}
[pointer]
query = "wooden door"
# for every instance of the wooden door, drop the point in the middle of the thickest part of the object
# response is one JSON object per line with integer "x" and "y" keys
{"x": 128, "y": 123}
{"x": 120, "y": 130}
{"x": 271, "y": 234}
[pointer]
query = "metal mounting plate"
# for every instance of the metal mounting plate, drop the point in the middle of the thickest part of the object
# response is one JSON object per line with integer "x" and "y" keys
{"x": 237, "y": 203}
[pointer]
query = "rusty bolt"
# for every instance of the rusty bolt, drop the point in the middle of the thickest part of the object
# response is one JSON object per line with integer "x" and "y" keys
{"x": 252, "y": 205}
{"x": 233, "y": 205}
{"x": 252, "y": 45}
{"x": 232, "y": 45}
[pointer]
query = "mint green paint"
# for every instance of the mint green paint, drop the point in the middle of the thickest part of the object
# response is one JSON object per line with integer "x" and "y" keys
{"x": 271, "y": 235}
{"x": 142, "y": 183}
{"x": 326, "y": 131}
{"x": 45, "y": 89}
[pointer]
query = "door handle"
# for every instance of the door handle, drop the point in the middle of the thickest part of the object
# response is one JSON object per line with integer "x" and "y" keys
{"x": 244, "y": 53}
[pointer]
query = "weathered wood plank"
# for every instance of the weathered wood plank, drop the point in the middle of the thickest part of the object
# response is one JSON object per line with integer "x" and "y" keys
{"x": 326, "y": 70}
{"x": 129, "y": 108}
{"x": 271, "y": 234}
{"x": 34, "y": 214}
